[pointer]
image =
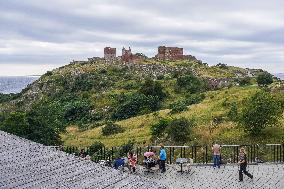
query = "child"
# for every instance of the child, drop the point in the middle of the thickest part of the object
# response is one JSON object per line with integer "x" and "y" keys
{"x": 132, "y": 161}
{"x": 243, "y": 165}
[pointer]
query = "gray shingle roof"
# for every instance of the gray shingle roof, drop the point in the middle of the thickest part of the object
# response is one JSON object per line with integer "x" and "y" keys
{"x": 26, "y": 164}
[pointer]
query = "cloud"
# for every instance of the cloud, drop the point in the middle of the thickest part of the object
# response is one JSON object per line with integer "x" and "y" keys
{"x": 241, "y": 33}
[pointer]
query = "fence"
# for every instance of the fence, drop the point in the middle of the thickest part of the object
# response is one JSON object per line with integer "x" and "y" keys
{"x": 200, "y": 154}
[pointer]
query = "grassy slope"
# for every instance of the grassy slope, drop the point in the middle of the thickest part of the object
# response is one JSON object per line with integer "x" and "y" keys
{"x": 216, "y": 103}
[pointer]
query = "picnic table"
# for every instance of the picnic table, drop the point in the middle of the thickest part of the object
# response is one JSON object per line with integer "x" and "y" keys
{"x": 181, "y": 161}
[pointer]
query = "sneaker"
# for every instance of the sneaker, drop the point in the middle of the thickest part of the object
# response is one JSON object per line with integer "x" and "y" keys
{"x": 240, "y": 180}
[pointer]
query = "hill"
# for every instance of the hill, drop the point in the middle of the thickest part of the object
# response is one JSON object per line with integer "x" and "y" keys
{"x": 80, "y": 98}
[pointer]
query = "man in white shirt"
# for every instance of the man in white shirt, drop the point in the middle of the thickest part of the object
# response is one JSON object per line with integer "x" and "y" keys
{"x": 216, "y": 149}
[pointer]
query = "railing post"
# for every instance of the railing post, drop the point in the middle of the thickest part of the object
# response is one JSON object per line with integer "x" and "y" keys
{"x": 137, "y": 151}
{"x": 206, "y": 155}
{"x": 173, "y": 154}
{"x": 195, "y": 153}
{"x": 181, "y": 152}
{"x": 170, "y": 155}
{"x": 274, "y": 159}
{"x": 282, "y": 152}
{"x": 277, "y": 151}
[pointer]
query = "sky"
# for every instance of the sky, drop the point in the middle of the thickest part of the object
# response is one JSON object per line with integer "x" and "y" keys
{"x": 37, "y": 36}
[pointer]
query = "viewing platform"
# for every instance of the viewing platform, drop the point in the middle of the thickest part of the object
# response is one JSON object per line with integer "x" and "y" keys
{"x": 26, "y": 164}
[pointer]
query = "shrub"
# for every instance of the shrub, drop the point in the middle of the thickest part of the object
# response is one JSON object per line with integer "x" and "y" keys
{"x": 135, "y": 104}
{"x": 158, "y": 129}
{"x": 190, "y": 83}
{"x": 179, "y": 130}
{"x": 222, "y": 66}
{"x": 261, "y": 110}
{"x": 152, "y": 88}
{"x": 78, "y": 112}
{"x": 125, "y": 148}
{"x": 96, "y": 147}
{"x": 31, "y": 126}
{"x": 178, "y": 106}
{"x": 245, "y": 81}
{"x": 233, "y": 112}
{"x": 264, "y": 79}
{"x": 111, "y": 128}
{"x": 194, "y": 98}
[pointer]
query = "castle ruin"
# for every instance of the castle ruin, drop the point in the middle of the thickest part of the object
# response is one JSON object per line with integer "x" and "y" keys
{"x": 164, "y": 53}
{"x": 169, "y": 53}
{"x": 109, "y": 54}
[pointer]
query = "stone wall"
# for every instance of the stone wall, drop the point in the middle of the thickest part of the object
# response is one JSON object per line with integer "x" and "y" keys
{"x": 169, "y": 53}
{"x": 109, "y": 54}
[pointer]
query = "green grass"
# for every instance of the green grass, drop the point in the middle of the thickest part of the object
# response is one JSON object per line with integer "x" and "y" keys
{"x": 215, "y": 104}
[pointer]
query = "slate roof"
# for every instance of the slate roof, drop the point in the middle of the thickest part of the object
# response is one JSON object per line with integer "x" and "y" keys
{"x": 26, "y": 164}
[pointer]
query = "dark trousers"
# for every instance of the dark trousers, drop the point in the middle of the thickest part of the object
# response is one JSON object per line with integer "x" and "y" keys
{"x": 243, "y": 169}
{"x": 216, "y": 159}
{"x": 163, "y": 165}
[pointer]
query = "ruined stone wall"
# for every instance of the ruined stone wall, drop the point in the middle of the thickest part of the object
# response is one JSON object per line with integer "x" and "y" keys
{"x": 169, "y": 53}
{"x": 126, "y": 55}
{"x": 109, "y": 54}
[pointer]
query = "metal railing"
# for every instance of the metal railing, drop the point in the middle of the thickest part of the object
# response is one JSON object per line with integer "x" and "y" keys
{"x": 273, "y": 153}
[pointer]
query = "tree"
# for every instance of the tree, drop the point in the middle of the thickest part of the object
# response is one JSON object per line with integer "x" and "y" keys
{"x": 16, "y": 123}
{"x": 179, "y": 130}
{"x": 111, "y": 128}
{"x": 135, "y": 104}
{"x": 32, "y": 126}
{"x": 190, "y": 83}
{"x": 152, "y": 88}
{"x": 158, "y": 129}
{"x": 261, "y": 110}
{"x": 245, "y": 81}
{"x": 264, "y": 79}
{"x": 96, "y": 147}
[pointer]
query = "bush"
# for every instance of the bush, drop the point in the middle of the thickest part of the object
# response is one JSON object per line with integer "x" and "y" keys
{"x": 31, "y": 126}
{"x": 78, "y": 112}
{"x": 264, "y": 79}
{"x": 178, "y": 106}
{"x": 96, "y": 147}
{"x": 135, "y": 104}
{"x": 152, "y": 88}
{"x": 244, "y": 81}
{"x": 190, "y": 83}
{"x": 179, "y": 130}
{"x": 111, "y": 128}
{"x": 261, "y": 110}
{"x": 158, "y": 129}
{"x": 125, "y": 148}
{"x": 194, "y": 98}
{"x": 233, "y": 112}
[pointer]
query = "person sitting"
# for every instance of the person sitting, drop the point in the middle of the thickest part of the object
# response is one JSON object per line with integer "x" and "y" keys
{"x": 150, "y": 159}
{"x": 82, "y": 153}
{"x": 118, "y": 162}
{"x": 132, "y": 161}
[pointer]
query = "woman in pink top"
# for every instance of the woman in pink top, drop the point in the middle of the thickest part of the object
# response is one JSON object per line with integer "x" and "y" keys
{"x": 132, "y": 161}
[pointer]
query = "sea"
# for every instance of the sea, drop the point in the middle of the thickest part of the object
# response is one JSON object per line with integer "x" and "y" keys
{"x": 15, "y": 84}
{"x": 280, "y": 75}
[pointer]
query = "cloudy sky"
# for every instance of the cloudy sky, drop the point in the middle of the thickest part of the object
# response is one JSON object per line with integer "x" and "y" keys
{"x": 38, "y": 35}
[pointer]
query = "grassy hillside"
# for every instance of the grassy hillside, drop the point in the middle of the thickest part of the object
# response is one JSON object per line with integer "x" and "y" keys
{"x": 80, "y": 98}
{"x": 216, "y": 104}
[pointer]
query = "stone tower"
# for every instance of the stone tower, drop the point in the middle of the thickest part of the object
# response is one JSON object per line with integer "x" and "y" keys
{"x": 109, "y": 54}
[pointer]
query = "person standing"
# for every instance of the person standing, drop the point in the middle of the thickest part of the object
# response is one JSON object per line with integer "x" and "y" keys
{"x": 132, "y": 161}
{"x": 163, "y": 157}
{"x": 216, "y": 149}
{"x": 243, "y": 165}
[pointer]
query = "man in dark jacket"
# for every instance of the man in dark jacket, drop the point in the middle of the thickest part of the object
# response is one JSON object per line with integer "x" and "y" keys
{"x": 243, "y": 165}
